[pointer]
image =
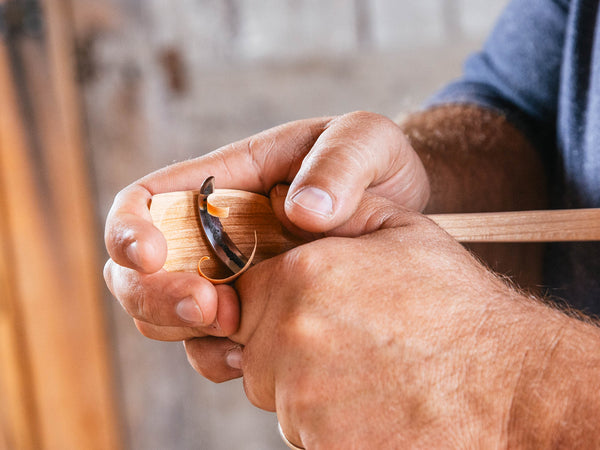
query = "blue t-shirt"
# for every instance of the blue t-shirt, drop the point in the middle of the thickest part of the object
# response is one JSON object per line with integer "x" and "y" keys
{"x": 540, "y": 67}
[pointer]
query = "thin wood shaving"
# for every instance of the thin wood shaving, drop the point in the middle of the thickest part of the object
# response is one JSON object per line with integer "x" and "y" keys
{"x": 235, "y": 275}
{"x": 222, "y": 212}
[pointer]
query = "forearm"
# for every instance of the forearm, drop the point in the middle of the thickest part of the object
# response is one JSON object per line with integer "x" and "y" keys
{"x": 476, "y": 160}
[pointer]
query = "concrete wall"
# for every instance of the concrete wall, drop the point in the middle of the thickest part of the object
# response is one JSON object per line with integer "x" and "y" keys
{"x": 169, "y": 80}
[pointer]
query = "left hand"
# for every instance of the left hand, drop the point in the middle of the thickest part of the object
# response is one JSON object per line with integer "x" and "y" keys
{"x": 388, "y": 334}
{"x": 339, "y": 157}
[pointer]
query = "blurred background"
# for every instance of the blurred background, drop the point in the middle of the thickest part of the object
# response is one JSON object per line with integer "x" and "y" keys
{"x": 96, "y": 93}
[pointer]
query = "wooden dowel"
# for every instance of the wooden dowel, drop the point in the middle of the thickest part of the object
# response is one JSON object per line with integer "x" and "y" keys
{"x": 523, "y": 226}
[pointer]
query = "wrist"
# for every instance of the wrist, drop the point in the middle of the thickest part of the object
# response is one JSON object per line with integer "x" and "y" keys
{"x": 556, "y": 401}
{"x": 530, "y": 376}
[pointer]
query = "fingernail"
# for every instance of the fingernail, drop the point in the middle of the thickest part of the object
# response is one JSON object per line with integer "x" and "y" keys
{"x": 132, "y": 253}
{"x": 234, "y": 358}
{"x": 314, "y": 200}
{"x": 189, "y": 311}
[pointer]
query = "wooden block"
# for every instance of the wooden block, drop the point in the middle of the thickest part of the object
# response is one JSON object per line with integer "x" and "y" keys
{"x": 176, "y": 215}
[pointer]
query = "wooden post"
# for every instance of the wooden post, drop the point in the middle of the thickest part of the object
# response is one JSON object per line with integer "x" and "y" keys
{"x": 55, "y": 378}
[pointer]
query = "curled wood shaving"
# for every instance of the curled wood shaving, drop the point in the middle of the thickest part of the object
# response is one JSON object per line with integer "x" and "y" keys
{"x": 235, "y": 275}
{"x": 221, "y": 212}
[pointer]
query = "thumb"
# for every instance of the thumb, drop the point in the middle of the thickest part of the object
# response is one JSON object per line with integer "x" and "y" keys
{"x": 356, "y": 152}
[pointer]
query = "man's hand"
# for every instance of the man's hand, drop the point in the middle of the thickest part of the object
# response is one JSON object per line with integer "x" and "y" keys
{"x": 328, "y": 163}
{"x": 399, "y": 338}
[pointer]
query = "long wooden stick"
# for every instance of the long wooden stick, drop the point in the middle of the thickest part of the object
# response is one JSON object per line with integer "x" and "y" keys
{"x": 523, "y": 226}
{"x": 175, "y": 215}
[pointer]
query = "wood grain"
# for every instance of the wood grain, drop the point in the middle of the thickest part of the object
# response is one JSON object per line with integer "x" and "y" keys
{"x": 175, "y": 214}
{"x": 523, "y": 226}
{"x": 18, "y": 418}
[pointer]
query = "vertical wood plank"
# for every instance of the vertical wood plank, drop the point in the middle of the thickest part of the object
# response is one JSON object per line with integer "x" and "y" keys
{"x": 18, "y": 418}
{"x": 59, "y": 364}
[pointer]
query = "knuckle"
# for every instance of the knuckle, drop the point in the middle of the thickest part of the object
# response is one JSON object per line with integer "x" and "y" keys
{"x": 427, "y": 226}
{"x": 305, "y": 396}
{"x": 408, "y": 221}
{"x": 124, "y": 287}
{"x": 146, "y": 310}
{"x": 122, "y": 196}
{"x": 376, "y": 121}
{"x": 363, "y": 116}
{"x": 357, "y": 133}
{"x": 301, "y": 332}
{"x": 152, "y": 301}
{"x": 132, "y": 295}
{"x": 301, "y": 266}
{"x": 133, "y": 304}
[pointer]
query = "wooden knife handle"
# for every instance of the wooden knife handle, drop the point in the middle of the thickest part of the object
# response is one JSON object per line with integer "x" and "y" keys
{"x": 176, "y": 215}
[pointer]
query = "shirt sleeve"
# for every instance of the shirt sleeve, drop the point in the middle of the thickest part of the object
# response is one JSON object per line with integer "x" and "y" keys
{"x": 518, "y": 70}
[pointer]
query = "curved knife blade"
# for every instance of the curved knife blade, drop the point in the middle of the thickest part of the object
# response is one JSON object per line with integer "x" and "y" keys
{"x": 219, "y": 240}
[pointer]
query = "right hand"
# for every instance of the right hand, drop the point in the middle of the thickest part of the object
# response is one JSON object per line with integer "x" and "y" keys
{"x": 387, "y": 335}
{"x": 329, "y": 164}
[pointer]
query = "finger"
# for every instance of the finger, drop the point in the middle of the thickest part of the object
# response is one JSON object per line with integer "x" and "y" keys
{"x": 253, "y": 164}
{"x": 172, "y": 299}
{"x": 356, "y": 151}
{"x": 131, "y": 239}
{"x": 278, "y": 197}
{"x": 226, "y": 323}
{"x": 170, "y": 334}
{"x": 217, "y": 359}
{"x": 372, "y": 213}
